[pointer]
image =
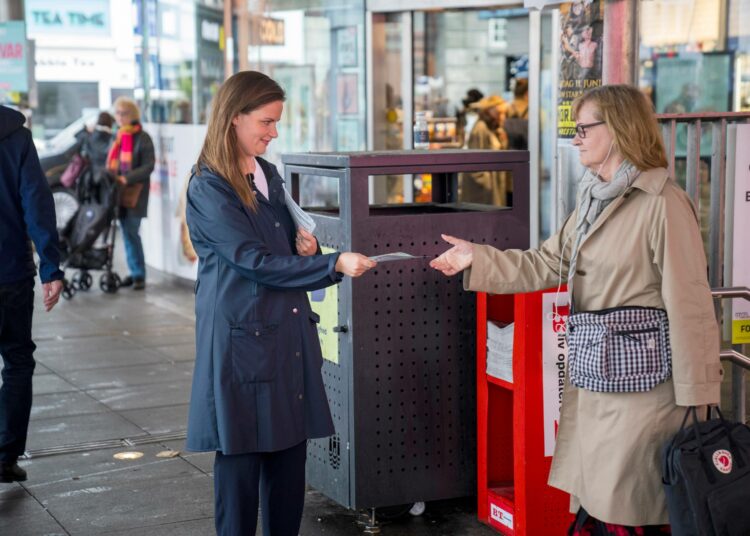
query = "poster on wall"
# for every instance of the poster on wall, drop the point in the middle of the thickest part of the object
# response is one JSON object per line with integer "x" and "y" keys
{"x": 166, "y": 242}
{"x": 741, "y": 253}
{"x": 555, "y": 311}
{"x": 582, "y": 26}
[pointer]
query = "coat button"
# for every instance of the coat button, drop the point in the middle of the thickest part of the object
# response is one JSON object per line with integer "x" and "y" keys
{"x": 581, "y": 272}
{"x": 257, "y": 333}
{"x": 277, "y": 224}
{"x": 295, "y": 310}
{"x": 297, "y": 354}
{"x": 300, "y": 397}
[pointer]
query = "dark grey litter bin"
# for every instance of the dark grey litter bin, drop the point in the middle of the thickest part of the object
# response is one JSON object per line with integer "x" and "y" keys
{"x": 399, "y": 342}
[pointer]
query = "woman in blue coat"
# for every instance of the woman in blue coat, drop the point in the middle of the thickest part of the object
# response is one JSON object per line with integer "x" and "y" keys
{"x": 258, "y": 392}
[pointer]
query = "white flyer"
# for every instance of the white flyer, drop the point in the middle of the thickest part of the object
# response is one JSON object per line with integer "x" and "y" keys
{"x": 396, "y": 256}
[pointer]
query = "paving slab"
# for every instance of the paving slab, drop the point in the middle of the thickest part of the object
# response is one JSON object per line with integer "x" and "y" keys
{"x": 199, "y": 527}
{"x": 178, "y": 352}
{"x": 129, "y": 376}
{"x": 46, "y": 382}
{"x": 167, "y": 491}
{"x": 47, "y": 406}
{"x": 166, "y": 338}
{"x": 144, "y": 396}
{"x": 160, "y": 420}
{"x": 63, "y": 363}
{"x": 77, "y": 429}
{"x": 27, "y": 518}
{"x": 78, "y": 345}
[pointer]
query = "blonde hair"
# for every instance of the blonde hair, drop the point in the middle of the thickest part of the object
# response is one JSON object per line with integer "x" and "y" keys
{"x": 130, "y": 106}
{"x": 241, "y": 93}
{"x": 630, "y": 119}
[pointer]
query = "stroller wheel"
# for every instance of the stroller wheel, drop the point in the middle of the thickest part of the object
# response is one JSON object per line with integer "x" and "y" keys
{"x": 85, "y": 281}
{"x": 68, "y": 290}
{"x": 109, "y": 282}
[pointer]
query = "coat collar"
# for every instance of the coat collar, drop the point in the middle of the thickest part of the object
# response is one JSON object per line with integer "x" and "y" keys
{"x": 275, "y": 182}
{"x": 651, "y": 181}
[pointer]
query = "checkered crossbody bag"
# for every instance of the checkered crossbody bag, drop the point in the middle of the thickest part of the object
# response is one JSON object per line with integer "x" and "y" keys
{"x": 620, "y": 350}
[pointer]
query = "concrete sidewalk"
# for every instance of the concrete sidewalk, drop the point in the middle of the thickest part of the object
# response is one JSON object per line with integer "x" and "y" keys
{"x": 113, "y": 375}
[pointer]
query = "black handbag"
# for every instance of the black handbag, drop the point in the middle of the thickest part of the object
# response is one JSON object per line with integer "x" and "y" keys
{"x": 706, "y": 476}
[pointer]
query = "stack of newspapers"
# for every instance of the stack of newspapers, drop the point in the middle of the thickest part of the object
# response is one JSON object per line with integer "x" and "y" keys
{"x": 500, "y": 351}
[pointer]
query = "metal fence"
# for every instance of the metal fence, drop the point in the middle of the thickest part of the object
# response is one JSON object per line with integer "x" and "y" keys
{"x": 699, "y": 147}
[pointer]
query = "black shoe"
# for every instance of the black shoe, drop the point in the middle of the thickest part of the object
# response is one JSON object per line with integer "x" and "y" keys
{"x": 10, "y": 472}
{"x": 127, "y": 282}
{"x": 139, "y": 284}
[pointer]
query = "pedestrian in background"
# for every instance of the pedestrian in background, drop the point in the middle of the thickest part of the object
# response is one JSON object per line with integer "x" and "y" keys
{"x": 131, "y": 161}
{"x": 96, "y": 145}
{"x": 258, "y": 393}
{"x": 26, "y": 210}
{"x": 643, "y": 339}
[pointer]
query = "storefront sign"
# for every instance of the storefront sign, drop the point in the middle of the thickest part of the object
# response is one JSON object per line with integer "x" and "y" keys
{"x": 581, "y": 57}
{"x": 14, "y": 70}
{"x": 267, "y": 31}
{"x": 555, "y": 312}
{"x": 741, "y": 251}
{"x": 325, "y": 302}
{"x": 76, "y": 17}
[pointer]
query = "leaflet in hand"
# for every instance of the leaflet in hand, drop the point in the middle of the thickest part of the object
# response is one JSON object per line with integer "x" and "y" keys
{"x": 301, "y": 218}
{"x": 395, "y": 256}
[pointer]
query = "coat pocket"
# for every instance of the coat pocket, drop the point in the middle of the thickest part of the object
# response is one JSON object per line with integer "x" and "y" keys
{"x": 253, "y": 351}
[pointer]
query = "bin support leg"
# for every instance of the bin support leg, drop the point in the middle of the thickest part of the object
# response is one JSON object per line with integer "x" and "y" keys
{"x": 371, "y": 523}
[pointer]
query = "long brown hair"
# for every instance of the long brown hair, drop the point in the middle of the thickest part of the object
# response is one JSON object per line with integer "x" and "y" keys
{"x": 630, "y": 118}
{"x": 241, "y": 93}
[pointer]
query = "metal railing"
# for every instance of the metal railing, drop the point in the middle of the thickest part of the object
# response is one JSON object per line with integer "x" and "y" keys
{"x": 702, "y": 168}
{"x": 740, "y": 362}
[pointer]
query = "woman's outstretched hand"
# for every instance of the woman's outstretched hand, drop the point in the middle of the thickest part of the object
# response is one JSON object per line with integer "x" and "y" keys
{"x": 456, "y": 259}
{"x": 354, "y": 264}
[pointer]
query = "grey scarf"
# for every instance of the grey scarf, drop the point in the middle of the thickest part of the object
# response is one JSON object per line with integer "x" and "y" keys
{"x": 594, "y": 195}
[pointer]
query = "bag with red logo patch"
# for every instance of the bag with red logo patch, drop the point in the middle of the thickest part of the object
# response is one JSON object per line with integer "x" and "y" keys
{"x": 706, "y": 476}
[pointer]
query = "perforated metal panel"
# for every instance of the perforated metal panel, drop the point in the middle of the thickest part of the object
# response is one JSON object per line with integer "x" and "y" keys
{"x": 403, "y": 392}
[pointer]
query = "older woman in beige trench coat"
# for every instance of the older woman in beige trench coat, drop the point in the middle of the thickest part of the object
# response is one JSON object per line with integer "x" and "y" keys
{"x": 633, "y": 240}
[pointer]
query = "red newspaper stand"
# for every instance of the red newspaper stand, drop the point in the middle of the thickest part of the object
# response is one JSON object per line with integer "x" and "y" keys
{"x": 513, "y": 494}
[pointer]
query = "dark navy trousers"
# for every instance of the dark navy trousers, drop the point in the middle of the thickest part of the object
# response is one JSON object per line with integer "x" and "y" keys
{"x": 275, "y": 479}
{"x": 17, "y": 350}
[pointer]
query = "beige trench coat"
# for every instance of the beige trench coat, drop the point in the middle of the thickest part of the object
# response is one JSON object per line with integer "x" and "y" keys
{"x": 645, "y": 249}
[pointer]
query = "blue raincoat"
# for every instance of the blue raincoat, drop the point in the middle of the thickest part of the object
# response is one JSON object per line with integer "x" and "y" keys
{"x": 257, "y": 385}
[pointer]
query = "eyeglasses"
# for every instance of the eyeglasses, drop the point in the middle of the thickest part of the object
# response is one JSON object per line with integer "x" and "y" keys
{"x": 581, "y": 129}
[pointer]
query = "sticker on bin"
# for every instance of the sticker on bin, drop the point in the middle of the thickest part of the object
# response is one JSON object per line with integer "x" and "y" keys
{"x": 501, "y": 516}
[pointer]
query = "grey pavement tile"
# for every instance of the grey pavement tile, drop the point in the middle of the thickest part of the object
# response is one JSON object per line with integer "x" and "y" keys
{"x": 64, "y": 405}
{"x": 198, "y": 527}
{"x": 81, "y": 345}
{"x": 11, "y": 492}
{"x": 144, "y": 396}
{"x": 167, "y": 492}
{"x": 161, "y": 420}
{"x": 65, "y": 363}
{"x": 178, "y": 352}
{"x": 118, "y": 377}
{"x": 47, "y": 383}
{"x": 46, "y": 471}
{"x": 46, "y": 433}
{"x": 27, "y": 518}
{"x": 182, "y": 337}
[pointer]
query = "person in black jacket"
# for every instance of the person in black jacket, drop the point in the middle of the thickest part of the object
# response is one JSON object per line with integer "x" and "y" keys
{"x": 26, "y": 209}
{"x": 131, "y": 161}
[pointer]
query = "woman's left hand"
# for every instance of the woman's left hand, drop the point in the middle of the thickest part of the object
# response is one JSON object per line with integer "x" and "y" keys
{"x": 306, "y": 243}
{"x": 122, "y": 180}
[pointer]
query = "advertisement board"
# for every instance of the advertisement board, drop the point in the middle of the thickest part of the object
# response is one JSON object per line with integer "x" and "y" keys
{"x": 555, "y": 311}
{"x": 741, "y": 251}
{"x": 14, "y": 70}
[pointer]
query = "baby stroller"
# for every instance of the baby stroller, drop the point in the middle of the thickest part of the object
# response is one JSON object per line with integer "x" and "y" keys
{"x": 88, "y": 240}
